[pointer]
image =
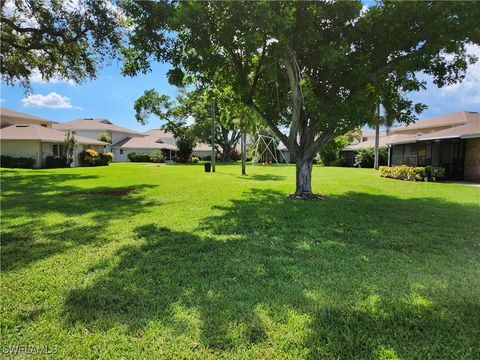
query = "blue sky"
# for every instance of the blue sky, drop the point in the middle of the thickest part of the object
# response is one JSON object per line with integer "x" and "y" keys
{"x": 112, "y": 96}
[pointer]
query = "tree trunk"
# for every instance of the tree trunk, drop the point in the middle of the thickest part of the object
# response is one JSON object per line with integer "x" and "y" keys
{"x": 227, "y": 153}
{"x": 377, "y": 140}
{"x": 244, "y": 153}
{"x": 304, "y": 179}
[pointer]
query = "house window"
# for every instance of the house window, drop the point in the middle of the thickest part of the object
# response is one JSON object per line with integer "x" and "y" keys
{"x": 121, "y": 151}
{"x": 364, "y": 139}
{"x": 44, "y": 125}
{"x": 57, "y": 150}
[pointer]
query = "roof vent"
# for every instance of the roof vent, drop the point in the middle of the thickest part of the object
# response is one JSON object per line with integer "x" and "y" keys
{"x": 159, "y": 141}
{"x": 105, "y": 121}
{"x": 419, "y": 134}
{"x": 87, "y": 118}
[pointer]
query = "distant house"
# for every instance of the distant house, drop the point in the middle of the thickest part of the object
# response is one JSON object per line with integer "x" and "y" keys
{"x": 201, "y": 150}
{"x": 24, "y": 135}
{"x": 451, "y": 141}
{"x": 94, "y": 127}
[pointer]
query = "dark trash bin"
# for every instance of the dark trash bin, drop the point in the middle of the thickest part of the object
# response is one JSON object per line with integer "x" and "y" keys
{"x": 208, "y": 166}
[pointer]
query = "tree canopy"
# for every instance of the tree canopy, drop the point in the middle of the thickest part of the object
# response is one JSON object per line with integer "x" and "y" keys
{"x": 56, "y": 39}
{"x": 317, "y": 69}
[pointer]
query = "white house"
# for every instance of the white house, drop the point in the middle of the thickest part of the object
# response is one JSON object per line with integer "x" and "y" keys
{"x": 92, "y": 128}
{"x": 28, "y": 136}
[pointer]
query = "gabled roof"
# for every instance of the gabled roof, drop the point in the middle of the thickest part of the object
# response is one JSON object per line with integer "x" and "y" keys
{"x": 468, "y": 130}
{"x": 160, "y": 134}
{"x": 5, "y": 112}
{"x": 41, "y": 133}
{"x": 453, "y": 119}
{"x": 146, "y": 142}
{"x": 94, "y": 124}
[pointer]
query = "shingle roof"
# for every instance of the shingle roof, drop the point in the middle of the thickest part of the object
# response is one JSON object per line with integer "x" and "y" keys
{"x": 160, "y": 134}
{"x": 94, "y": 124}
{"x": 5, "y": 112}
{"x": 469, "y": 130}
{"x": 37, "y": 132}
{"x": 453, "y": 119}
{"x": 146, "y": 142}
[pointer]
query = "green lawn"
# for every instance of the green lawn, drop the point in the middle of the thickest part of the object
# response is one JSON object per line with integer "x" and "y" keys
{"x": 197, "y": 265}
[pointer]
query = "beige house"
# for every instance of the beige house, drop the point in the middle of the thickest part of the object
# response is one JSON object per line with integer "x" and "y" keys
{"x": 201, "y": 150}
{"x": 451, "y": 141}
{"x": 24, "y": 135}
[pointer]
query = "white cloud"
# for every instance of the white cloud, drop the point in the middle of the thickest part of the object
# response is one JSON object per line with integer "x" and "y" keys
{"x": 36, "y": 77}
{"x": 2, "y": 100}
{"x": 52, "y": 100}
{"x": 468, "y": 91}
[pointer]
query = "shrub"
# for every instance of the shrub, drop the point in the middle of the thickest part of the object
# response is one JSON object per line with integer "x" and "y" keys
{"x": 156, "y": 156}
{"x": 134, "y": 157}
{"x": 89, "y": 157}
{"x": 207, "y": 158}
{"x": 20, "y": 162}
{"x": 365, "y": 158}
{"x": 56, "y": 162}
{"x": 433, "y": 172}
{"x": 410, "y": 173}
{"x": 5, "y": 160}
{"x": 195, "y": 159}
{"x": 105, "y": 158}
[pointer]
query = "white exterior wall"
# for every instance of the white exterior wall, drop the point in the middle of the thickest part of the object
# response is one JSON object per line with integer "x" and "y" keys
{"x": 22, "y": 148}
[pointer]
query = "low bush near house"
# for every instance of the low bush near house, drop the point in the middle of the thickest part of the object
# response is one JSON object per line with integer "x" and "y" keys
{"x": 156, "y": 156}
{"x": 105, "y": 158}
{"x": 56, "y": 162}
{"x": 5, "y": 160}
{"x": 134, "y": 157}
{"x": 433, "y": 172}
{"x": 410, "y": 173}
{"x": 195, "y": 159}
{"x": 90, "y": 157}
{"x": 20, "y": 162}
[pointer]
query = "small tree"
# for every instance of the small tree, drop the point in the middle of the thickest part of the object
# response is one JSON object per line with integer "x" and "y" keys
{"x": 185, "y": 145}
{"x": 156, "y": 156}
{"x": 105, "y": 138}
{"x": 70, "y": 144}
{"x": 330, "y": 153}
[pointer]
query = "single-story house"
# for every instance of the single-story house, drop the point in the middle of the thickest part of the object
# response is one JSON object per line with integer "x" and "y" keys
{"x": 24, "y": 135}
{"x": 451, "y": 141}
{"x": 201, "y": 150}
{"x": 142, "y": 145}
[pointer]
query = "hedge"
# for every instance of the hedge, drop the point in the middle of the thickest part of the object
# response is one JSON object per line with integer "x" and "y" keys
{"x": 134, "y": 157}
{"x": 410, "y": 173}
{"x": 20, "y": 162}
{"x": 56, "y": 162}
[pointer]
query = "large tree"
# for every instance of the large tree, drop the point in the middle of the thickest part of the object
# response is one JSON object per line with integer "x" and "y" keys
{"x": 56, "y": 39}
{"x": 318, "y": 69}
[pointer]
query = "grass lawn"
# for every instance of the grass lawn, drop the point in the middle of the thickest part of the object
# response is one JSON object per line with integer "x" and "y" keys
{"x": 197, "y": 265}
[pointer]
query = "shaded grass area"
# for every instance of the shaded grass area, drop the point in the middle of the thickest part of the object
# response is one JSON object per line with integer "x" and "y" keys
{"x": 195, "y": 265}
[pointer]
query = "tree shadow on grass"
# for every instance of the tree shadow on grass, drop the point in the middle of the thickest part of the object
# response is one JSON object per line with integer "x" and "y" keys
{"x": 83, "y": 215}
{"x": 310, "y": 279}
{"x": 263, "y": 177}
